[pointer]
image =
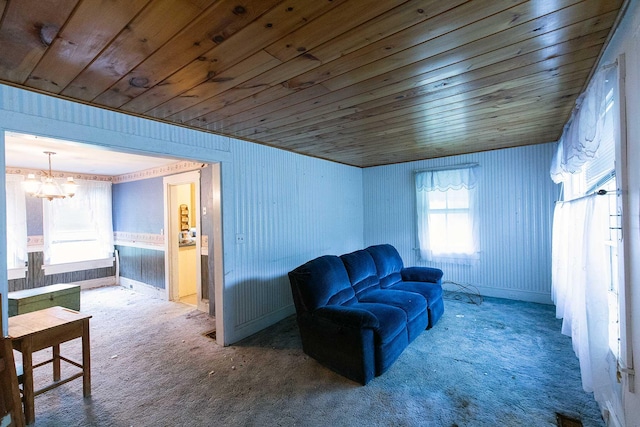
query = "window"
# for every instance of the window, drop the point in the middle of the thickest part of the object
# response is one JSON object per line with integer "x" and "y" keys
{"x": 79, "y": 228}
{"x": 447, "y": 215}
{"x": 587, "y": 279}
{"x": 16, "y": 227}
{"x": 599, "y": 169}
{"x": 596, "y": 173}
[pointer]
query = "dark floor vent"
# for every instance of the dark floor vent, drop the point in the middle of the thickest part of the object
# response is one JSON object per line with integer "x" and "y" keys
{"x": 212, "y": 335}
{"x": 564, "y": 421}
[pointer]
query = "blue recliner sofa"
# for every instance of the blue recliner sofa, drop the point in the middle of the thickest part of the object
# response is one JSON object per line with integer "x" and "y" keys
{"x": 422, "y": 280}
{"x": 354, "y": 315}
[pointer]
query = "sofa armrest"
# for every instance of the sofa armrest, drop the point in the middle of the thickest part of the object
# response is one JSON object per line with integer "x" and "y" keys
{"x": 422, "y": 274}
{"x": 347, "y": 316}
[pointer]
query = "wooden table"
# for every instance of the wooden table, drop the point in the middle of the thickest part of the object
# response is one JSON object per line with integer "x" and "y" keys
{"x": 41, "y": 329}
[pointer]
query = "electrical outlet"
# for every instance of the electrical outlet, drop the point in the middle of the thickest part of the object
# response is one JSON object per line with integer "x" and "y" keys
{"x": 204, "y": 211}
{"x": 240, "y": 239}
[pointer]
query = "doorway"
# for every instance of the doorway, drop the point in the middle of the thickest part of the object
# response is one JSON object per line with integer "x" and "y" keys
{"x": 99, "y": 146}
{"x": 183, "y": 268}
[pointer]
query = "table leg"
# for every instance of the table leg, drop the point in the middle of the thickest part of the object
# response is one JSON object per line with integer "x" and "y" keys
{"x": 27, "y": 386}
{"x": 56, "y": 362}
{"x": 86, "y": 359}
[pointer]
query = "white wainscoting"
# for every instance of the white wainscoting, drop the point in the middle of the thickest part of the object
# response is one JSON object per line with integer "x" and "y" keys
{"x": 516, "y": 197}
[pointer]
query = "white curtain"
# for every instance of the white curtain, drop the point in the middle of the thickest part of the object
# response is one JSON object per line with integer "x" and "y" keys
{"x": 443, "y": 181}
{"x": 583, "y": 132}
{"x": 580, "y": 278}
{"x": 581, "y": 252}
{"x": 79, "y": 228}
{"x": 16, "y": 222}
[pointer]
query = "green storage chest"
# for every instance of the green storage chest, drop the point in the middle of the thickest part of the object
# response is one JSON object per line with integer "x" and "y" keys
{"x": 28, "y": 300}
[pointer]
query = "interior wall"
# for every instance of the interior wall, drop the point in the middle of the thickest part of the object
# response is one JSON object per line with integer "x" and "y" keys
{"x": 137, "y": 206}
{"x": 279, "y": 209}
{"x": 138, "y": 222}
{"x": 288, "y": 209}
{"x": 516, "y": 200}
{"x": 207, "y": 261}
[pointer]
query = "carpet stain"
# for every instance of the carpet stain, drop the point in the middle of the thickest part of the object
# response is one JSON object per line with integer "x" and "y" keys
{"x": 565, "y": 421}
{"x": 210, "y": 334}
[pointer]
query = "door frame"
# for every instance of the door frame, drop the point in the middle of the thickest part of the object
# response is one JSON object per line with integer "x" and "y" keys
{"x": 171, "y": 240}
{"x": 626, "y": 357}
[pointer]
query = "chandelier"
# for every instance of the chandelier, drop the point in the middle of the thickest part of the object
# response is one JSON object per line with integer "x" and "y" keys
{"x": 48, "y": 188}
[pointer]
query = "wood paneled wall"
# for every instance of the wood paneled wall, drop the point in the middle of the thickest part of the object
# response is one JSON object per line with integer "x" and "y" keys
{"x": 289, "y": 208}
{"x": 142, "y": 265}
{"x": 516, "y": 199}
{"x": 36, "y": 277}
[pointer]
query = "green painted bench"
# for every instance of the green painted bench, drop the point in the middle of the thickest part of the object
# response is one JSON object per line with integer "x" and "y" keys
{"x": 28, "y": 300}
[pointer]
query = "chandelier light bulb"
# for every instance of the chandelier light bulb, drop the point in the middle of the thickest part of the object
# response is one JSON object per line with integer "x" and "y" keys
{"x": 49, "y": 187}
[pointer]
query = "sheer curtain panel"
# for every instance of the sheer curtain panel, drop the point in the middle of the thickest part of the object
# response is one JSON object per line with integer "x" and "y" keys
{"x": 582, "y": 260}
{"x": 580, "y": 274}
{"x": 16, "y": 222}
{"x": 582, "y": 134}
{"x": 79, "y": 228}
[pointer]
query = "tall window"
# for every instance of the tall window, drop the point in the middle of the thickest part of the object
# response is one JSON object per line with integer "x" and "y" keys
{"x": 447, "y": 215}
{"x": 79, "y": 228}
{"x": 16, "y": 222}
{"x": 586, "y": 235}
{"x": 598, "y": 173}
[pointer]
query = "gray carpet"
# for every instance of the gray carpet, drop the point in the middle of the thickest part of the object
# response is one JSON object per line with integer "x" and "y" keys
{"x": 501, "y": 363}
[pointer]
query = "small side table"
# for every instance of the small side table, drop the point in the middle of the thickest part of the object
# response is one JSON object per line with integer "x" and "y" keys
{"x": 41, "y": 329}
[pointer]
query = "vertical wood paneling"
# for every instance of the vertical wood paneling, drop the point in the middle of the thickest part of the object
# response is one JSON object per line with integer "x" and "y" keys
{"x": 21, "y": 101}
{"x": 287, "y": 207}
{"x": 516, "y": 199}
{"x": 204, "y": 278}
{"x": 142, "y": 265}
{"x": 36, "y": 277}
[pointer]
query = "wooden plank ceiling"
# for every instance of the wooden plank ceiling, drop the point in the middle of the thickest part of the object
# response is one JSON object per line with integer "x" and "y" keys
{"x": 361, "y": 82}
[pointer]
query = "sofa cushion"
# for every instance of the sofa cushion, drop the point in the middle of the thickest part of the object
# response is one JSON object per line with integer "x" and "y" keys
{"x": 321, "y": 281}
{"x": 388, "y": 264}
{"x": 430, "y": 291}
{"x": 361, "y": 270}
{"x": 391, "y": 320}
{"x": 413, "y": 305}
{"x": 391, "y": 337}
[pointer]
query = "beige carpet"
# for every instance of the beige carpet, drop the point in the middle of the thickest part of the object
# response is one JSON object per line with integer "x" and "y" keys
{"x": 499, "y": 363}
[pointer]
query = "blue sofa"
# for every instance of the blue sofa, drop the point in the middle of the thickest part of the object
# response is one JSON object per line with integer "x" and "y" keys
{"x": 359, "y": 311}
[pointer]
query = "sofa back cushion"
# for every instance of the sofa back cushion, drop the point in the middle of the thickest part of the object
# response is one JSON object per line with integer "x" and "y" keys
{"x": 319, "y": 282}
{"x": 361, "y": 270}
{"x": 388, "y": 264}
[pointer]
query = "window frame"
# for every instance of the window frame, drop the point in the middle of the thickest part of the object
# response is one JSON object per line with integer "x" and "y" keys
{"x": 446, "y": 179}
{"x": 96, "y": 198}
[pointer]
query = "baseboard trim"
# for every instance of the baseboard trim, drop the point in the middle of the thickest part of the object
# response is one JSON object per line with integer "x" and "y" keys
{"x": 256, "y": 325}
{"x": 96, "y": 283}
{"x": 143, "y": 288}
{"x": 518, "y": 295}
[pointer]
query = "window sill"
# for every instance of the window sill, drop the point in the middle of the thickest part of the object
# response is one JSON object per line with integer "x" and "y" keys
{"x": 77, "y": 266}
{"x": 16, "y": 273}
